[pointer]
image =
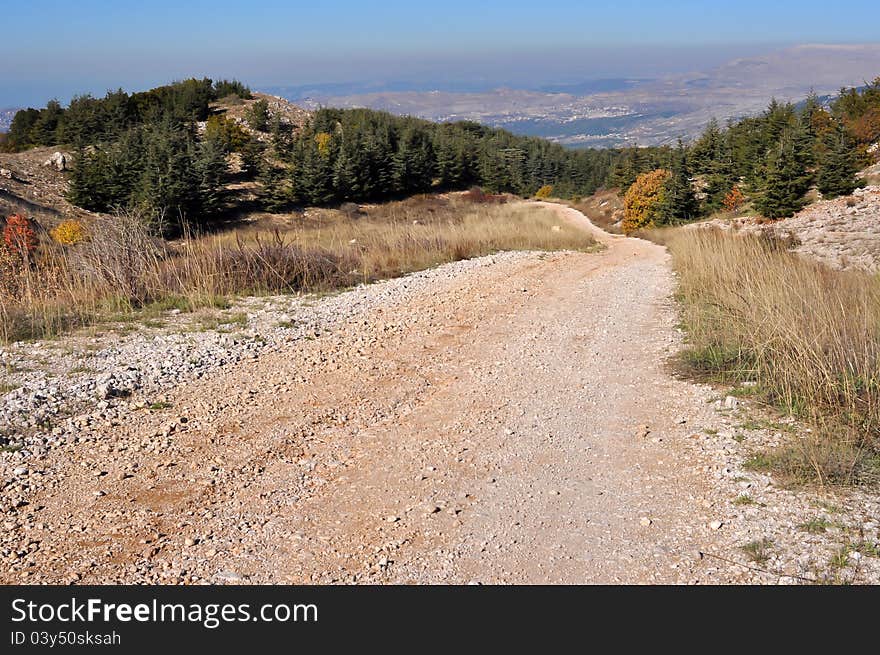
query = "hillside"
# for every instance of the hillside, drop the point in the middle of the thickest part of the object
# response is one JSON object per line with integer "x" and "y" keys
{"x": 286, "y": 112}
{"x": 843, "y": 233}
{"x": 31, "y": 184}
{"x": 345, "y": 368}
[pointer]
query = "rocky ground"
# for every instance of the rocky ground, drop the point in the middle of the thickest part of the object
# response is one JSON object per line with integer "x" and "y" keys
{"x": 843, "y": 233}
{"x": 503, "y": 420}
{"x": 33, "y": 185}
{"x": 286, "y": 112}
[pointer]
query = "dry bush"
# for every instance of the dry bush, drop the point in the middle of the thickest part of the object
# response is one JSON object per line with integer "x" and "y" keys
{"x": 121, "y": 257}
{"x": 122, "y": 268}
{"x": 214, "y": 266}
{"x": 478, "y": 196}
{"x": 808, "y": 335}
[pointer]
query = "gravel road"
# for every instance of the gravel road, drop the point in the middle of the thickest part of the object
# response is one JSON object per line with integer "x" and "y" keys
{"x": 507, "y": 420}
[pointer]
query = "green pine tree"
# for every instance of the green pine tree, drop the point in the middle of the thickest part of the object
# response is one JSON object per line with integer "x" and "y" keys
{"x": 838, "y": 167}
{"x": 680, "y": 203}
{"x": 274, "y": 193}
{"x": 781, "y": 188}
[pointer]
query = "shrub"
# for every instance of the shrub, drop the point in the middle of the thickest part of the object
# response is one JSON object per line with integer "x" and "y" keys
{"x": 643, "y": 199}
{"x": 69, "y": 233}
{"x": 322, "y": 140}
{"x": 10, "y": 275}
{"x": 120, "y": 255}
{"x": 19, "y": 236}
{"x": 544, "y": 192}
{"x": 734, "y": 199}
{"x": 227, "y": 133}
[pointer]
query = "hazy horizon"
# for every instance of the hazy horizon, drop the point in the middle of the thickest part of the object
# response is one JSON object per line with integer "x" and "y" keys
{"x": 460, "y": 72}
{"x": 95, "y": 46}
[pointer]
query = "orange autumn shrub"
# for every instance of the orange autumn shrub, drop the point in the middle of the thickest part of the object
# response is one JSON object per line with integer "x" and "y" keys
{"x": 19, "y": 237}
{"x": 734, "y": 199}
{"x": 643, "y": 199}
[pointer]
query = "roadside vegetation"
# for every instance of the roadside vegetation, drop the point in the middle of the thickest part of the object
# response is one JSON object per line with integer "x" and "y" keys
{"x": 158, "y": 166}
{"x": 117, "y": 268}
{"x": 805, "y": 339}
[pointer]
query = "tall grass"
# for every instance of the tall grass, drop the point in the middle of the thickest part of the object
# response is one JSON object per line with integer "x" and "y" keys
{"x": 807, "y": 335}
{"x": 121, "y": 269}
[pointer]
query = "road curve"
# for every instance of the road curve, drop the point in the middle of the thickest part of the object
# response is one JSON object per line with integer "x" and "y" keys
{"x": 491, "y": 429}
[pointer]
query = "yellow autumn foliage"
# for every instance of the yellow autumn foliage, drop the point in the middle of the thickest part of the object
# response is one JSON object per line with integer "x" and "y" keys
{"x": 68, "y": 232}
{"x": 322, "y": 139}
{"x": 642, "y": 200}
{"x": 544, "y": 192}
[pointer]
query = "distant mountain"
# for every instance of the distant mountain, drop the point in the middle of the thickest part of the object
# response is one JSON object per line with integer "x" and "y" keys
{"x": 620, "y": 112}
{"x": 6, "y": 116}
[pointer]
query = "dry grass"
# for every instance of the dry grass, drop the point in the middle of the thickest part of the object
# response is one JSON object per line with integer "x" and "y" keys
{"x": 122, "y": 271}
{"x": 604, "y": 209}
{"x": 808, "y": 336}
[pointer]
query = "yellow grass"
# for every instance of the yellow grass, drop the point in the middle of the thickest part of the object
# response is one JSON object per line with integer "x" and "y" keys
{"x": 807, "y": 335}
{"x": 121, "y": 271}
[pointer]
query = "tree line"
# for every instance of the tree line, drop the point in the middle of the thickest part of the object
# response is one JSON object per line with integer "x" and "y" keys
{"x": 143, "y": 150}
{"x": 774, "y": 158}
{"x": 362, "y": 154}
{"x": 88, "y": 120}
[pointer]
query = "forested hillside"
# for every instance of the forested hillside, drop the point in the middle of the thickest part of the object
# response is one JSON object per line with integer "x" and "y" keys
{"x": 361, "y": 154}
{"x": 138, "y": 151}
{"x": 166, "y": 152}
{"x": 772, "y": 160}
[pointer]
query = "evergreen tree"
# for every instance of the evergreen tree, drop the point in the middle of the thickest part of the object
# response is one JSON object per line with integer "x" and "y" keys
{"x": 274, "y": 194}
{"x": 22, "y": 125}
{"x": 679, "y": 204}
{"x": 781, "y": 191}
{"x": 210, "y": 169}
{"x": 707, "y": 149}
{"x": 838, "y": 167}
{"x": 45, "y": 128}
{"x": 627, "y": 169}
{"x": 258, "y": 116}
{"x": 803, "y": 155}
{"x": 413, "y": 162}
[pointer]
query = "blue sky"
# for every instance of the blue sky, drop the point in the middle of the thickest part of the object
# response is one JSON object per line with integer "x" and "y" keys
{"x": 60, "y": 47}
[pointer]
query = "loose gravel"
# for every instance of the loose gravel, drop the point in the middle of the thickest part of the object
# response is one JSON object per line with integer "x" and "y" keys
{"x": 506, "y": 419}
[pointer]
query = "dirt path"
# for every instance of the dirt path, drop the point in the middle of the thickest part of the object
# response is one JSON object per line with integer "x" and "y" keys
{"x": 489, "y": 430}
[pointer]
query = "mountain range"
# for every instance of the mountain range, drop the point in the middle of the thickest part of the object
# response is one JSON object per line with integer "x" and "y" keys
{"x": 618, "y": 112}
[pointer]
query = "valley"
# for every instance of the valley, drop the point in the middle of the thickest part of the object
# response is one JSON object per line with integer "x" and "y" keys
{"x": 640, "y": 112}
